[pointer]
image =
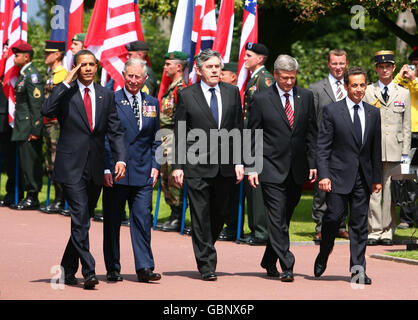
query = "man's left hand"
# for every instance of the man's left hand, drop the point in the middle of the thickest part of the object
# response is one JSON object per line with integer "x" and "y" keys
{"x": 119, "y": 171}
{"x": 376, "y": 187}
{"x": 154, "y": 175}
{"x": 32, "y": 137}
{"x": 312, "y": 175}
{"x": 239, "y": 171}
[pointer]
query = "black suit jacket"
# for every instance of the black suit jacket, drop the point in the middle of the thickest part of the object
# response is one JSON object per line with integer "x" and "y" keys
{"x": 77, "y": 145}
{"x": 193, "y": 111}
{"x": 285, "y": 151}
{"x": 339, "y": 154}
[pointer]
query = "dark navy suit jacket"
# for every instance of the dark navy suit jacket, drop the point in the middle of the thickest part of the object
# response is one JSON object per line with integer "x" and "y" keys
{"x": 140, "y": 144}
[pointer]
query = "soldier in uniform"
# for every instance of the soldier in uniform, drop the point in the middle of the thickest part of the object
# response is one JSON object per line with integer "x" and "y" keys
{"x": 255, "y": 56}
{"x": 77, "y": 43}
{"x": 54, "y": 53}
{"x": 28, "y": 124}
{"x": 7, "y": 147}
{"x": 174, "y": 66}
{"x": 395, "y": 112}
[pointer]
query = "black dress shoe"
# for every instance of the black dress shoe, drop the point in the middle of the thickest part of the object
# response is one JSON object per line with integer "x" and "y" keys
{"x": 372, "y": 242}
{"x": 125, "y": 222}
{"x": 65, "y": 212}
{"x": 114, "y": 275}
{"x": 209, "y": 276}
{"x": 271, "y": 270}
{"x": 71, "y": 280}
{"x": 90, "y": 282}
{"x": 29, "y": 203}
{"x": 146, "y": 275}
{"x": 54, "y": 207}
{"x": 98, "y": 218}
{"x": 172, "y": 225}
{"x": 226, "y": 235}
{"x": 187, "y": 230}
{"x": 320, "y": 265}
{"x": 7, "y": 201}
{"x": 386, "y": 242}
{"x": 362, "y": 278}
{"x": 253, "y": 241}
{"x": 287, "y": 276}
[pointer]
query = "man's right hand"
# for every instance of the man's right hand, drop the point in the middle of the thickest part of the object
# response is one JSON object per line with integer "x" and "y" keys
{"x": 108, "y": 180}
{"x": 325, "y": 185}
{"x": 178, "y": 176}
{"x": 70, "y": 75}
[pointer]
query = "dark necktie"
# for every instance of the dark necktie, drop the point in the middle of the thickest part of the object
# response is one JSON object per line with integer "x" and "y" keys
{"x": 88, "y": 107}
{"x": 385, "y": 94}
{"x": 214, "y": 105}
{"x": 289, "y": 111}
{"x": 357, "y": 124}
{"x": 136, "y": 110}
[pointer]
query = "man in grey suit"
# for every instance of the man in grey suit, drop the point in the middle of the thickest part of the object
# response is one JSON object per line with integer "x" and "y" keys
{"x": 327, "y": 91}
{"x": 395, "y": 112}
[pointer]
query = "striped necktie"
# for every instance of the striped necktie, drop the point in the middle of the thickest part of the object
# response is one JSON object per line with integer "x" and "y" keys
{"x": 339, "y": 94}
{"x": 136, "y": 110}
{"x": 289, "y": 111}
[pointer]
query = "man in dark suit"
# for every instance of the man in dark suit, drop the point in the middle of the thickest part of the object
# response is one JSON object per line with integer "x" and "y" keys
{"x": 139, "y": 116}
{"x": 286, "y": 114}
{"x": 86, "y": 113}
{"x": 327, "y": 91}
{"x": 208, "y": 110}
{"x": 349, "y": 170}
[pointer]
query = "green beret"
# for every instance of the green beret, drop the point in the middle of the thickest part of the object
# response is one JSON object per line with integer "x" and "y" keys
{"x": 175, "y": 55}
{"x": 231, "y": 66}
{"x": 79, "y": 37}
{"x": 384, "y": 56}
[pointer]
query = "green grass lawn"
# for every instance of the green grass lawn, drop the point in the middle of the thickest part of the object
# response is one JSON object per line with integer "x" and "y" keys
{"x": 411, "y": 254}
{"x": 302, "y": 227}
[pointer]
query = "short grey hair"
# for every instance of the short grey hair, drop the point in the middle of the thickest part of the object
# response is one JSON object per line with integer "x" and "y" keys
{"x": 205, "y": 55}
{"x": 285, "y": 62}
{"x": 137, "y": 62}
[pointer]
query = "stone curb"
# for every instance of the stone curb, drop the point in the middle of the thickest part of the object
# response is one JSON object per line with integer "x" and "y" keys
{"x": 395, "y": 259}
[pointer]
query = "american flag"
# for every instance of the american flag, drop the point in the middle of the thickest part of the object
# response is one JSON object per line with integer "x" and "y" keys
{"x": 249, "y": 33}
{"x": 114, "y": 24}
{"x": 203, "y": 31}
{"x": 224, "y": 31}
{"x": 16, "y": 13}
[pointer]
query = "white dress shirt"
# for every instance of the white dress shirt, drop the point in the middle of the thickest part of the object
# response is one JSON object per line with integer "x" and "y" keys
{"x": 131, "y": 101}
{"x": 333, "y": 81}
{"x": 361, "y": 114}
{"x": 208, "y": 96}
{"x": 283, "y": 98}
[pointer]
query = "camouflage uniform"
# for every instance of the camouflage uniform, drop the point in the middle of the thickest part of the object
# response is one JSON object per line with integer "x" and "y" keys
{"x": 257, "y": 218}
{"x": 172, "y": 193}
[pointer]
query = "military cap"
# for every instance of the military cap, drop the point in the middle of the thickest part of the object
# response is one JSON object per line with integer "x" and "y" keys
{"x": 231, "y": 66}
{"x": 22, "y": 46}
{"x": 384, "y": 56}
{"x": 414, "y": 54}
{"x": 175, "y": 55}
{"x": 54, "y": 46}
{"x": 258, "y": 48}
{"x": 80, "y": 37}
{"x": 137, "y": 46}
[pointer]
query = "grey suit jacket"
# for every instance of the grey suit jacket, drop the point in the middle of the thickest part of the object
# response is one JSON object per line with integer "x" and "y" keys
{"x": 323, "y": 95}
{"x": 395, "y": 118}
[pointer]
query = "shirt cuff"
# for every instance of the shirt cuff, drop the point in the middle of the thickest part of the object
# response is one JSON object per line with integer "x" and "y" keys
{"x": 107, "y": 171}
{"x": 124, "y": 163}
{"x": 66, "y": 84}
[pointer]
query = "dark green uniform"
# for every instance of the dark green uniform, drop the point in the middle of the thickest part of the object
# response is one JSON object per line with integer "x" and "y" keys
{"x": 172, "y": 193}
{"x": 150, "y": 86}
{"x": 257, "y": 219}
{"x": 29, "y": 93}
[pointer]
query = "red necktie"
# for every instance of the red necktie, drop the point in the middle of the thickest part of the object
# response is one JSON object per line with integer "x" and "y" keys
{"x": 289, "y": 111}
{"x": 87, "y": 105}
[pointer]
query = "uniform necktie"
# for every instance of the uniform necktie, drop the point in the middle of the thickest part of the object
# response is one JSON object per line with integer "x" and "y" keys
{"x": 136, "y": 110}
{"x": 214, "y": 105}
{"x": 88, "y": 107}
{"x": 357, "y": 124}
{"x": 289, "y": 111}
{"x": 339, "y": 93}
{"x": 385, "y": 94}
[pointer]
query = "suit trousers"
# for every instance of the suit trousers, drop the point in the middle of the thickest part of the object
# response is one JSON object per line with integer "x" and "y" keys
{"x": 140, "y": 206}
{"x": 358, "y": 202}
{"x": 82, "y": 197}
{"x": 382, "y": 216}
{"x": 319, "y": 207}
{"x": 209, "y": 200}
{"x": 280, "y": 200}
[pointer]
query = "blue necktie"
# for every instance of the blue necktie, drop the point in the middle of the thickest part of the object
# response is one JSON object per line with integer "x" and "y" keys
{"x": 357, "y": 124}
{"x": 214, "y": 105}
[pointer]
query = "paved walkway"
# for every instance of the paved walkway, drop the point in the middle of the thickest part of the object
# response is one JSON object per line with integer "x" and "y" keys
{"x": 32, "y": 244}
